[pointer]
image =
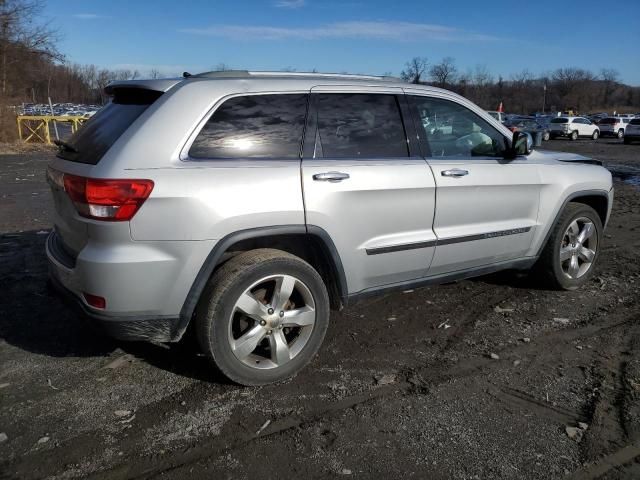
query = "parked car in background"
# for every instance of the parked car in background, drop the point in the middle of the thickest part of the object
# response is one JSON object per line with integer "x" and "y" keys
{"x": 613, "y": 126}
{"x": 573, "y": 127}
{"x": 528, "y": 124}
{"x": 500, "y": 116}
{"x": 632, "y": 134}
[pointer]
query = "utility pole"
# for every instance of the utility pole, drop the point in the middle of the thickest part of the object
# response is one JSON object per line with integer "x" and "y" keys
{"x": 544, "y": 97}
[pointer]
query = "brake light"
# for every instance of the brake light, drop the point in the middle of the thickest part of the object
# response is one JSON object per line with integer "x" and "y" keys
{"x": 110, "y": 200}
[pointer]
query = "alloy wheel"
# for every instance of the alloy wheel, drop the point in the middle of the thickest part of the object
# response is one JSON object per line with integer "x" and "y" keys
{"x": 578, "y": 248}
{"x": 271, "y": 322}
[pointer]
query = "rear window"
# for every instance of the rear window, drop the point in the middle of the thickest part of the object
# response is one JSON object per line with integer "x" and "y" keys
{"x": 635, "y": 121}
{"x": 254, "y": 126}
{"x": 360, "y": 125}
{"x": 97, "y": 135}
{"x": 560, "y": 120}
{"x": 608, "y": 121}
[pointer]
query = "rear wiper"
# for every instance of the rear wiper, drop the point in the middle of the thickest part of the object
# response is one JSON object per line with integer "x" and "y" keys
{"x": 65, "y": 146}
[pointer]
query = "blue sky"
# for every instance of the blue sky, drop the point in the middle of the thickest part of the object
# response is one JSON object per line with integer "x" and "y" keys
{"x": 371, "y": 37}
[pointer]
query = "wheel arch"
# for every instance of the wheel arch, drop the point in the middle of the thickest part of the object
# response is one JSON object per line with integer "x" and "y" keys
{"x": 596, "y": 199}
{"x": 311, "y": 243}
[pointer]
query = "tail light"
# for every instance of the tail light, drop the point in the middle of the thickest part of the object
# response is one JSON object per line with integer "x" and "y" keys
{"x": 513, "y": 129}
{"x": 109, "y": 200}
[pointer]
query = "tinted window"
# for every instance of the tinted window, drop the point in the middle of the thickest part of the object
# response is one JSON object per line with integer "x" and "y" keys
{"x": 452, "y": 130}
{"x": 358, "y": 125}
{"x": 97, "y": 135}
{"x": 635, "y": 121}
{"x": 559, "y": 120}
{"x": 608, "y": 121}
{"x": 254, "y": 126}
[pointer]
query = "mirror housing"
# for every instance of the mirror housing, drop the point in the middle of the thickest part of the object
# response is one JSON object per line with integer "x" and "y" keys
{"x": 521, "y": 144}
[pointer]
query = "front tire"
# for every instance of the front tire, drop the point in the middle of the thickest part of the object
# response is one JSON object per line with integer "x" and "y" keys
{"x": 546, "y": 136}
{"x": 262, "y": 316}
{"x": 569, "y": 257}
{"x": 620, "y": 133}
{"x": 595, "y": 135}
{"x": 574, "y": 135}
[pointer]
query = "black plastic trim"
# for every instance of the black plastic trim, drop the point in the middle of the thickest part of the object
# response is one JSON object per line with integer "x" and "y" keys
{"x": 400, "y": 248}
{"x": 519, "y": 264}
{"x": 214, "y": 257}
{"x": 446, "y": 241}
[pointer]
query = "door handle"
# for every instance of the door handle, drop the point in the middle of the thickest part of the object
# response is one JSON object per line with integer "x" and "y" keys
{"x": 331, "y": 176}
{"x": 456, "y": 172}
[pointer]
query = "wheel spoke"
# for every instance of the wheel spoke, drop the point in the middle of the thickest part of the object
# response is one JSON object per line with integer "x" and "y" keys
{"x": 574, "y": 267}
{"x": 250, "y": 306}
{"x": 573, "y": 230}
{"x": 280, "y": 353}
{"x": 301, "y": 317}
{"x": 565, "y": 254}
{"x": 283, "y": 291}
{"x": 586, "y": 254}
{"x": 587, "y": 231}
{"x": 248, "y": 342}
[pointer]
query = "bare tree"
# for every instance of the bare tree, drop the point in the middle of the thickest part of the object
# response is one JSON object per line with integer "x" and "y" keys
{"x": 444, "y": 72}
{"x": 414, "y": 70}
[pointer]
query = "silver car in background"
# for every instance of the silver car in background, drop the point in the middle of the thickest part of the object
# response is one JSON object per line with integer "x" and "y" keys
{"x": 247, "y": 205}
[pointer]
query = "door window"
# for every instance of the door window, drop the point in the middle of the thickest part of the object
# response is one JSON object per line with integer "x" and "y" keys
{"x": 358, "y": 125}
{"x": 452, "y": 130}
{"x": 254, "y": 126}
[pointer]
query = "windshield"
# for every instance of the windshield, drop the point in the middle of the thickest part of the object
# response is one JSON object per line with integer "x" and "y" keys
{"x": 97, "y": 135}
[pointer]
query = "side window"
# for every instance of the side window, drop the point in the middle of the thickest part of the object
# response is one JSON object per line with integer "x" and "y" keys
{"x": 452, "y": 130}
{"x": 254, "y": 126}
{"x": 359, "y": 125}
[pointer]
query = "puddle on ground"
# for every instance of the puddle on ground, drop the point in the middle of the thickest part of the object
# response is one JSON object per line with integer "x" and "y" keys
{"x": 629, "y": 175}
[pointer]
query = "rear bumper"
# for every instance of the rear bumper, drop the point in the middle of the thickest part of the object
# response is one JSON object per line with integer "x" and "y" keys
{"x": 128, "y": 328}
{"x": 143, "y": 297}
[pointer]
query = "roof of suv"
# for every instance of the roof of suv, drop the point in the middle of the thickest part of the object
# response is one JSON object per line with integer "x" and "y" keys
{"x": 162, "y": 85}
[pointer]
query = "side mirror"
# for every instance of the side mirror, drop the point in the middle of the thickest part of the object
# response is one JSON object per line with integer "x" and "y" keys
{"x": 521, "y": 144}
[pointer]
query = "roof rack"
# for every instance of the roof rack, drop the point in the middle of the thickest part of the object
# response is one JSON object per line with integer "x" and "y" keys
{"x": 249, "y": 74}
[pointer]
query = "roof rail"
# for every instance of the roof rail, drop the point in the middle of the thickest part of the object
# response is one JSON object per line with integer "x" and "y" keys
{"x": 249, "y": 74}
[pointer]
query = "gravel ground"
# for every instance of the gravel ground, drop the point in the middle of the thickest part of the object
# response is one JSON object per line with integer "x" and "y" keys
{"x": 405, "y": 384}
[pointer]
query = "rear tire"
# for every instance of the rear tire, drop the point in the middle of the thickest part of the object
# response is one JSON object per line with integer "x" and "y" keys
{"x": 568, "y": 259}
{"x": 546, "y": 136}
{"x": 595, "y": 135}
{"x": 574, "y": 135}
{"x": 262, "y": 316}
{"x": 620, "y": 133}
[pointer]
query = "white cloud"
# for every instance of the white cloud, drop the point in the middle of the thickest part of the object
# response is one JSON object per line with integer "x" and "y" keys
{"x": 399, "y": 31}
{"x": 290, "y": 3}
{"x": 89, "y": 16}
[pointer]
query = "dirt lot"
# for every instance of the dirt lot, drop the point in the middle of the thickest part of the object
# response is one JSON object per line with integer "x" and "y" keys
{"x": 405, "y": 385}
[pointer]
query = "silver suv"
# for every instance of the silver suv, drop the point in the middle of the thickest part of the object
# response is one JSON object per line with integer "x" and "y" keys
{"x": 247, "y": 205}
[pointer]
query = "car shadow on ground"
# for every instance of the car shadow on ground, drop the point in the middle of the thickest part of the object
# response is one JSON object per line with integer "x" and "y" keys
{"x": 33, "y": 317}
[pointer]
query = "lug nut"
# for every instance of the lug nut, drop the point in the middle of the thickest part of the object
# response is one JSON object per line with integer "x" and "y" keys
{"x": 281, "y": 314}
{"x": 270, "y": 311}
{"x": 269, "y": 332}
{"x": 263, "y": 323}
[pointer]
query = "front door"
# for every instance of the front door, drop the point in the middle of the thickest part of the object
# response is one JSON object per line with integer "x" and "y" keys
{"x": 486, "y": 207}
{"x": 367, "y": 186}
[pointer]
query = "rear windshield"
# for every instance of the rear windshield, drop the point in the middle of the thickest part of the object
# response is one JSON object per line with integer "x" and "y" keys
{"x": 95, "y": 138}
{"x": 608, "y": 121}
{"x": 560, "y": 120}
{"x": 635, "y": 121}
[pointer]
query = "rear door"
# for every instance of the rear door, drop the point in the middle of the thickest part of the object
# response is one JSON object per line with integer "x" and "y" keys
{"x": 367, "y": 186}
{"x": 486, "y": 207}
